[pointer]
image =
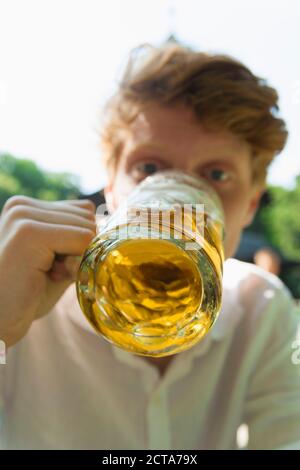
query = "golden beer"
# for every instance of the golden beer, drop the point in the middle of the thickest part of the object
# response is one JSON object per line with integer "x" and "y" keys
{"x": 155, "y": 289}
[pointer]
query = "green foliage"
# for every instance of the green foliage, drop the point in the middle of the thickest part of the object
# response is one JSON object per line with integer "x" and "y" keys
{"x": 279, "y": 223}
{"x": 21, "y": 176}
{"x": 281, "y": 220}
{"x": 8, "y": 185}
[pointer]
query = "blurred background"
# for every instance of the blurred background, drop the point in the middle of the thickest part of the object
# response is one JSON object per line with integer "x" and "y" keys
{"x": 61, "y": 60}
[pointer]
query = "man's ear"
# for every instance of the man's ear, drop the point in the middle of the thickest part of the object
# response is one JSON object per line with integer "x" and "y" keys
{"x": 253, "y": 206}
{"x": 109, "y": 198}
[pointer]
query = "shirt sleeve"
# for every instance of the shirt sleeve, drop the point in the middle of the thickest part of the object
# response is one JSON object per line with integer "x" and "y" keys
{"x": 272, "y": 410}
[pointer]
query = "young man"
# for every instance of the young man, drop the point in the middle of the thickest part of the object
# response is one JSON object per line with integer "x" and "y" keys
{"x": 65, "y": 387}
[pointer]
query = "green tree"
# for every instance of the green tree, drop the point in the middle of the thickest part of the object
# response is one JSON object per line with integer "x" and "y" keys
{"x": 281, "y": 220}
{"x": 23, "y": 176}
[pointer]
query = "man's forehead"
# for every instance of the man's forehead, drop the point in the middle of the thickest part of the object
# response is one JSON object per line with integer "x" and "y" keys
{"x": 158, "y": 119}
{"x": 158, "y": 127}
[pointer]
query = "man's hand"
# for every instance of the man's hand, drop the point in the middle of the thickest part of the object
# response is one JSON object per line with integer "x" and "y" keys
{"x": 39, "y": 241}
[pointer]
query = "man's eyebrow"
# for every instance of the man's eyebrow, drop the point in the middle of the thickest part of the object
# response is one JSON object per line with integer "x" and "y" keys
{"x": 148, "y": 146}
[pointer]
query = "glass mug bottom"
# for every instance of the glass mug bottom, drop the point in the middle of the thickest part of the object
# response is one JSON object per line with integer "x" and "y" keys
{"x": 152, "y": 297}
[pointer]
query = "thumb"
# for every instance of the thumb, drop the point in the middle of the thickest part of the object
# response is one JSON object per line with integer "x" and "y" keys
{"x": 64, "y": 268}
{"x": 72, "y": 264}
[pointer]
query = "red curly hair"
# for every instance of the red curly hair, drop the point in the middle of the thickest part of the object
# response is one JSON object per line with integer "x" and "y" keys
{"x": 224, "y": 94}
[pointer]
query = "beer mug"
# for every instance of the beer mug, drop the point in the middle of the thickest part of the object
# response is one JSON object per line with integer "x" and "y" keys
{"x": 150, "y": 282}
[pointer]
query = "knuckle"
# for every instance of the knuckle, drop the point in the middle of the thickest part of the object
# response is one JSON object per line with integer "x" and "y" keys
{"x": 15, "y": 201}
{"x": 25, "y": 229}
{"x": 18, "y": 212}
{"x": 87, "y": 235}
{"x": 88, "y": 204}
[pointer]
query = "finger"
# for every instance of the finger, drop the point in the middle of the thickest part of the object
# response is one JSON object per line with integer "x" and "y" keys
{"x": 50, "y": 216}
{"x": 82, "y": 207}
{"x": 58, "y": 271}
{"x": 65, "y": 267}
{"x": 85, "y": 208}
{"x": 87, "y": 203}
{"x": 65, "y": 239}
{"x": 70, "y": 267}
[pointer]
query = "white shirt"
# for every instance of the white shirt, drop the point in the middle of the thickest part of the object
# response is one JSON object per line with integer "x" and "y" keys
{"x": 65, "y": 387}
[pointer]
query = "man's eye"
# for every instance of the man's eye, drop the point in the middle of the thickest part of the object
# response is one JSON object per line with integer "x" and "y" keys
{"x": 144, "y": 169}
{"x": 217, "y": 175}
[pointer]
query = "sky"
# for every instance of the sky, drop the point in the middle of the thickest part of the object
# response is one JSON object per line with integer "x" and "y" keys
{"x": 61, "y": 59}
